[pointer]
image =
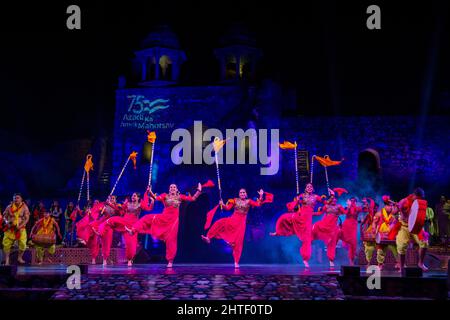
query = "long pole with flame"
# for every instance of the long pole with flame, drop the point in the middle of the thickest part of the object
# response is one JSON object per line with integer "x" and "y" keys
{"x": 151, "y": 137}
{"x": 218, "y": 144}
{"x": 286, "y": 145}
{"x": 88, "y": 166}
{"x": 131, "y": 157}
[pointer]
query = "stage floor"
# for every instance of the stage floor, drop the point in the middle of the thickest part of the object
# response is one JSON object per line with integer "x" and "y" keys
{"x": 205, "y": 269}
{"x": 201, "y": 282}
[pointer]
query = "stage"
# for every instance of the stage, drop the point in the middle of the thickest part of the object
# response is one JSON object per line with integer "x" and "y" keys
{"x": 216, "y": 282}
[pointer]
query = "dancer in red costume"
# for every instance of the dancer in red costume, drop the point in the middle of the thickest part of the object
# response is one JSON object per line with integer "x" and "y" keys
{"x": 85, "y": 234}
{"x": 349, "y": 229}
{"x": 299, "y": 223}
{"x": 327, "y": 229}
{"x": 108, "y": 209}
{"x": 130, "y": 215}
{"x": 164, "y": 226}
{"x": 232, "y": 229}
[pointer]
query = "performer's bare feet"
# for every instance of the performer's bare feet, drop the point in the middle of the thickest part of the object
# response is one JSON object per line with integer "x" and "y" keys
{"x": 206, "y": 239}
{"x": 272, "y": 234}
{"x": 39, "y": 263}
{"x": 306, "y": 263}
{"x": 380, "y": 266}
{"x": 93, "y": 261}
{"x": 105, "y": 263}
{"x": 130, "y": 263}
{"x": 397, "y": 266}
{"x": 170, "y": 264}
{"x": 82, "y": 242}
{"x": 48, "y": 260}
{"x": 20, "y": 260}
{"x": 236, "y": 265}
{"x": 423, "y": 267}
{"x": 96, "y": 231}
{"x": 331, "y": 264}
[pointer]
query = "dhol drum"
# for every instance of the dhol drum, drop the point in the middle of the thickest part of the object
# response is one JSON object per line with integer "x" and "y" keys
{"x": 45, "y": 240}
{"x": 367, "y": 233}
{"x": 384, "y": 238}
{"x": 417, "y": 215}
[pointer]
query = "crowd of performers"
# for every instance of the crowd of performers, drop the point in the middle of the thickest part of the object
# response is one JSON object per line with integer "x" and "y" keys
{"x": 382, "y": 229}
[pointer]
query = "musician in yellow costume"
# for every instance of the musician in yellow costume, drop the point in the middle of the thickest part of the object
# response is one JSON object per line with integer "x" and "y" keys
{"x": 404, "y": 236}
{"x": 387, "y": 227}
{"x": 46, "y": 228}
{"x": 16, "y": 217}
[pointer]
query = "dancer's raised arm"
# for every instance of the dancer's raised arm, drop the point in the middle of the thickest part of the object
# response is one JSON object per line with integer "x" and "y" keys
{"x": 195, "y": 196}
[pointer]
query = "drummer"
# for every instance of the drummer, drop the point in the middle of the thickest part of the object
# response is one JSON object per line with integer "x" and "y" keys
{"x": 404, "y": 236}
{"x": 46, "y": 227}
{"x": 387, "y": 230}
{"x": 368, "y": 229}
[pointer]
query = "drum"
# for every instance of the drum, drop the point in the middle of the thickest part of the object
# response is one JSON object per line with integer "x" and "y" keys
{"x": 384, "y": 238}
{"x": 367, "y": 233}
{"x": 417, "y": 215}
{"x": 45, "y": 240}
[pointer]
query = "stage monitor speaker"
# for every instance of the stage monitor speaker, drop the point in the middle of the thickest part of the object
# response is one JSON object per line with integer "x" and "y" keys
{"x": 448, "y": 277}
{"x": 8, "y": 270}
{"x": 413, "y": 272}
{"x": 350, "y": 271}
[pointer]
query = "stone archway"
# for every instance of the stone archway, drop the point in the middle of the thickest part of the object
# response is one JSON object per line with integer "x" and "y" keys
{"x": 369, "y": 170}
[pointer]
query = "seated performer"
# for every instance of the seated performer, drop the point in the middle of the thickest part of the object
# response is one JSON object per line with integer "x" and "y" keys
{"x": 15, "y": 217}
{"x": 43, "y": 236}
{"x": 404, "y": 236}
{"x": 327, "y": 229}
{"x": 387, "y": 229}
{"x": 164, "y": 226}
{"x": 232, "y": 229}
{"x": 299, "y": 223}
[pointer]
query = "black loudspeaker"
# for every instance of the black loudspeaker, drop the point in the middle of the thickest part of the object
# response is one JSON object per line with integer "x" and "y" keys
{"x": 448, "y": 277}
{"x": 413, "y": 272}
{"x": 8, "y": 270}
{"x": 350, "y": 271}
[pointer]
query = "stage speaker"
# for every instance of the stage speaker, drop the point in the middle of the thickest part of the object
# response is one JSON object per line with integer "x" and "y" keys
{"x": 8, "y": 270}
{"x": 350, "y": 271}
{"x": 413, "y": 272}
{"x": 448, "y": 277}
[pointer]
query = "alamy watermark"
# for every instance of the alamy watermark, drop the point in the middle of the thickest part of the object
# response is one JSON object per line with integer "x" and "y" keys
{"x": 74, "y": 280}
{"x": 374, "y": 280}
{"x": 252, "y": 144}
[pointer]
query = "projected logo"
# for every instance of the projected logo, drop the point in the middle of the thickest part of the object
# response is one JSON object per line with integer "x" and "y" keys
{"x": 139, "y": 104}
{"x": 144, "y": 113}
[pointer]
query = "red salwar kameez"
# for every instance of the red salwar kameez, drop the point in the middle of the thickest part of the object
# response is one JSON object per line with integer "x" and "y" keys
{"x": 299, "y": 223}
{"x": 164, "y": 226}
{"x": 232, "y": 229}
{"x": 327, "y": 229}
{"x": 131, "y": 212}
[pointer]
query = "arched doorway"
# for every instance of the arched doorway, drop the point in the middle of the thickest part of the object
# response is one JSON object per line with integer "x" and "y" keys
{"x": 369, "y": 171}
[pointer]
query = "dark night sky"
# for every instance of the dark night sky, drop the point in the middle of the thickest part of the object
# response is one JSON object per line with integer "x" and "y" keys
{"x": 58, "y": 84}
